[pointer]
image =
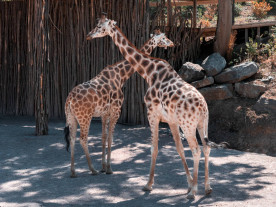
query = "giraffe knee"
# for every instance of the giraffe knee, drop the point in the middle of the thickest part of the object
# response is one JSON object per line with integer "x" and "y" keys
{"x": 196, "y": 152}
{"x": 206, "y": 150}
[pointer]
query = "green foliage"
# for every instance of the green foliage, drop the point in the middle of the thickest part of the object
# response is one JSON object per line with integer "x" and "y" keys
{"x": 237, "y": 9}
{"x": 251, "y": 49}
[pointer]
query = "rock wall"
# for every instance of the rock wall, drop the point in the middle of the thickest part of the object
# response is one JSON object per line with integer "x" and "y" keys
{"x": 242, "y": 109}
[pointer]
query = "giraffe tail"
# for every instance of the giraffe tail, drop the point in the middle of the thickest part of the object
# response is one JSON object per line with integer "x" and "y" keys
{"x": 208, "y": 142}
{"x": 66, "y": 137}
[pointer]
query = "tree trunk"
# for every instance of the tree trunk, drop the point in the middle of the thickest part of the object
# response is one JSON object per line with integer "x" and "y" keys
{"x": 38, "y": 13}
{"x": 224, "y": 26}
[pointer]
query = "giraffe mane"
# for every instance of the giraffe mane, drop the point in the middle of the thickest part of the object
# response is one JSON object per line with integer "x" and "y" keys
{"x": 134, "y": 47}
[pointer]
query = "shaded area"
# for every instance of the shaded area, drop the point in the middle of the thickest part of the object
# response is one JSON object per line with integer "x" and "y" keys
{"x": 35, "y": 171}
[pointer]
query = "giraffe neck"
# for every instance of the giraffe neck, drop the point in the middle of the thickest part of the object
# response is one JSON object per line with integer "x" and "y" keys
{"x": 123, "y": 70}
{"x": 131, "y": 53}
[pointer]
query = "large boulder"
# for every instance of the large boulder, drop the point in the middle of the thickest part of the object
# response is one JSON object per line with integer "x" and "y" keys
{"x": 213, "y": 64}
{"x": 237, "y": 73}
{"x": 267, "y": 102}
{"x": 219, "y": 92}
{"x": 251, "y": 89}
{"x": 204, "y": 82}
{"x": 190, "y": 72}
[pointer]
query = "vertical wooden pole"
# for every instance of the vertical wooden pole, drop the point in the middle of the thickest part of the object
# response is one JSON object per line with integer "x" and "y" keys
{"x": 194, "y": 13}
{"x": 258, "y": 35}
{"x": 246, "y": 35}
{"x": 224, "y": 27}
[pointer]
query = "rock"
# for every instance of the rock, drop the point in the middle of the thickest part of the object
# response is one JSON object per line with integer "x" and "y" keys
{"x": 237, "y": 73}
{"x": 213, "y": 64}
{"x": 267, "y": 102}
{"x": 220, "y": 92}
{"x": 204, "y": 82}
{"x": 190, "y": 72}
{"x": 250, "y": 89}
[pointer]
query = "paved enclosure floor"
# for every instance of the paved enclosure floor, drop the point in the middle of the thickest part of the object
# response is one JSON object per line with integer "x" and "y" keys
{"x": 35, "y": 171}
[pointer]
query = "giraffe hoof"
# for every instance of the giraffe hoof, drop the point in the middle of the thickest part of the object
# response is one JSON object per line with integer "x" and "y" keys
{"x": 208, "y": 191}
{"x": 95, "y": 172}
{"x": 73, "y": 176}
{"x": 147, "y": 188}
{"x": 191, "y": 196}
{"x": 103, "y": 170}
{"x": 109, "y": 172}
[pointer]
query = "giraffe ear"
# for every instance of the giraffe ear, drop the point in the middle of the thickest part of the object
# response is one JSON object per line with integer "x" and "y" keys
{"x": 151, "y": 35}
{"x": 112, "y": 22}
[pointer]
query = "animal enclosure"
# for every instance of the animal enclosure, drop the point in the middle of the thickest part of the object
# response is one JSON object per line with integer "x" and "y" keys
{"x": 44, "y": 52}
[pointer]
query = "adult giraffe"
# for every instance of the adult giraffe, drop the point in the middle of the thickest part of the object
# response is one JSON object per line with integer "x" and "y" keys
{"x": 102, "y": 97}
{"x": 168, "y": 99}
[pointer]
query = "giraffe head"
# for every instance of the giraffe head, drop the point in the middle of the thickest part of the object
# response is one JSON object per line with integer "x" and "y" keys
{"x": 103, "y": 28}
{"x": 160, "y": 40}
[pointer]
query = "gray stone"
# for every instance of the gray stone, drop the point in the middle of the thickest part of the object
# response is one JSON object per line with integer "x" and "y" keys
{"x": 251, "y": 89}
{"x": 219, "y": 92}
{"x": 204, "y": 82}
{"x": 237, "y": 73}
{"x": 190, "y": 72}
{"x": 267, "y": 102}
{"x": 213, "y": 64}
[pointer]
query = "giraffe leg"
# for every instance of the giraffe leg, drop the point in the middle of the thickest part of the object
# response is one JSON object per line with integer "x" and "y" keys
{"x": 190, "y": 134}
{"x": 83, "y": 141}
{"x": 154, "y": 125}
{"x": 206, "y": 152}
{"x": 104, "y": 134}
{"x": 179, "y": 147}
{"x": 112, "y": 123}
{"x": 73, "y": 124}
{"x": 196, "y": 156}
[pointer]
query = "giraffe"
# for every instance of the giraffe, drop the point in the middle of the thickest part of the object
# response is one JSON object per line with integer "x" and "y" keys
{"x": 102, "y": 97}
{"x": 168, "y": 99}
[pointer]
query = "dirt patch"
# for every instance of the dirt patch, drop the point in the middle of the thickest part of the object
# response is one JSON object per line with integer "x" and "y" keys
{"x": 236, "y": 122}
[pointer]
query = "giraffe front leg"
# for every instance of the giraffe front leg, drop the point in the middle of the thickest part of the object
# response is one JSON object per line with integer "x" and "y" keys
{"x": 180, "y": 150}
{"x": 154, "y": 125}
{"x": 112, "y": 123}
{"x": 104, "y": 135}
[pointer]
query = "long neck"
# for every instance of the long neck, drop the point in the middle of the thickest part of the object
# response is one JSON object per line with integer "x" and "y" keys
{"x": 137, "y": 60}
{"x": 123, "y": 70}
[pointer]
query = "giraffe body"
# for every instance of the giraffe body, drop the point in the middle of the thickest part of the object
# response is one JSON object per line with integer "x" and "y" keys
{"x": 168, "y": 99}
{"x": 102, "y": 97}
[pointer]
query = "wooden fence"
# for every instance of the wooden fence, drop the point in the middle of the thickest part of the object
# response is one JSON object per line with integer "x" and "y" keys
{"x": 44, "y": 52}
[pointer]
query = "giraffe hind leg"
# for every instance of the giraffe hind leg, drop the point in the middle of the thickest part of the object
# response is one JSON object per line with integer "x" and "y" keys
{"x": 83, "y": 140}
{"x": 202, "y": 130}
{"x": 71, "y": 137}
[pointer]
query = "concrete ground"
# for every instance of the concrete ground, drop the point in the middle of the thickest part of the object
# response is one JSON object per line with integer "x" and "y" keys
{"x": 35, "y": 171}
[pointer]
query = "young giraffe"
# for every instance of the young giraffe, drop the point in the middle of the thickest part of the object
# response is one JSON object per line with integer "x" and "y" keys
{"x": 102, "y": 97}
{"x": 168, "y": 99}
